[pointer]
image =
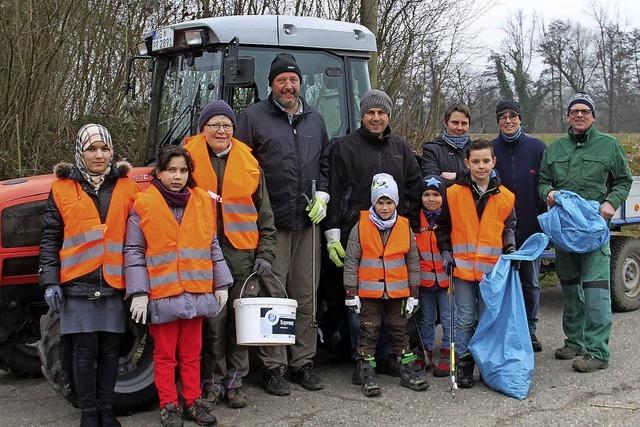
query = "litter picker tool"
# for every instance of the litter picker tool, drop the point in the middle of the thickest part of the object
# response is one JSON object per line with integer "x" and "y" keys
{"x": 453, "y": 385}
{"x": 314, "y": 322}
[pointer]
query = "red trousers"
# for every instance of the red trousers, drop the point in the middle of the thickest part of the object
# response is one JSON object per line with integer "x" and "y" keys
{"x": 177, "y": 343}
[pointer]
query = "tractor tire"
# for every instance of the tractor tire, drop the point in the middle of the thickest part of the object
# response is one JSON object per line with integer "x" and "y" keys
{"x": 625, "y": 273}
{"x": 135, "y": 388}
{"x": 18, "y": 354}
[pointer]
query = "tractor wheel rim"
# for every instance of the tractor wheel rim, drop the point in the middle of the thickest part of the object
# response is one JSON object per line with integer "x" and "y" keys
{"x": 631, "y": 276}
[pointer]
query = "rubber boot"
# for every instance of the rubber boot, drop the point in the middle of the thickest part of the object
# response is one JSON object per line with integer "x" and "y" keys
{"x": 465, "y": 371}
{"x": 411, "y": 375}
{"x": 365, "y": 369}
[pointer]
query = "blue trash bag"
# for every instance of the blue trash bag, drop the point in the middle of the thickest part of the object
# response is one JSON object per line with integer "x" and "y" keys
{"x": 575, "y": 224}
{"x": 501, "y": 345}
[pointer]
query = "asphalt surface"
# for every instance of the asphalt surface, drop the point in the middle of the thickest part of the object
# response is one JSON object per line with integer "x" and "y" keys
{"x": 558, "y": 395}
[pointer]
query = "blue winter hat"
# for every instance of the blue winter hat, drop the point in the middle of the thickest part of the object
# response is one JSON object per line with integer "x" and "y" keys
{"x": 216, "y": 108}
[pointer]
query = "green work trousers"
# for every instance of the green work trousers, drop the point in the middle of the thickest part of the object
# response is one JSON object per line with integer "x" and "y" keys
{"x": 586, "y": 318}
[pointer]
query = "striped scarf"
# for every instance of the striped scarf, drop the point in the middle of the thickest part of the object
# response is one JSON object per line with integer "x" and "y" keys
{"x": 513, "y": 138}
{"x": 457, "y": 141}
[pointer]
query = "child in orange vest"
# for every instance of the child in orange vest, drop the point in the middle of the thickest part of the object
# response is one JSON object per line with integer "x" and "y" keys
{"x": 434, "y": 283}
{"x": 175, "y": 271}
{"x": 476, "y": 225}
{"x": 381, "y": 274}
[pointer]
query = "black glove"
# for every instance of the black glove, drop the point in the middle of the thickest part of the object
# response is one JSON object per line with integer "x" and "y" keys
{"x": 54, "y": 297}
{"x": 515, "y": 263}
{"x": 262, "y": 267}
{"x": 447, "y": 262}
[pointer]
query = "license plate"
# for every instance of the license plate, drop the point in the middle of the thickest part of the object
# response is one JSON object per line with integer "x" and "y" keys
{"x": 162, "y": 39}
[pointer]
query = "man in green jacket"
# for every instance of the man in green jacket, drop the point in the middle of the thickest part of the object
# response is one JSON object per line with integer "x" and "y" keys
{"x": 593, "y": 165}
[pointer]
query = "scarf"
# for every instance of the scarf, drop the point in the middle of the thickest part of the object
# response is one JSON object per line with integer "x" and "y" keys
{"x": 513, "y": 138}
{"x": 431, "y": 216}
{"x": 382, "y": 224}
{"x": 174, "y": 199}
{"x": 87, "y": 135}
{"x": 457, "y": 141}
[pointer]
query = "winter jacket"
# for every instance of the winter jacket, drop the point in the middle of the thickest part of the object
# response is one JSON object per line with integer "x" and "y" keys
{"x": 184, "y": 306}
{"x": 354, "y": 255}
{"x": 291, "y": 156}
{"x": 93, "y": 283}
{"x": 443, "y": 223}
{"x": 439, "y": 156}
{"x": 592, "y": 165}
{"x": 354, "y": 160}
{"x": 519, "y": 167}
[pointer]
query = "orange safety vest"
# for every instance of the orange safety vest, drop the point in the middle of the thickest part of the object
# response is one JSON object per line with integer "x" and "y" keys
{"x": 178, "y": 256}
{"x": 431, "y": 271}
{"x": 241, "y": 179}
{"x": 88, "y": 243}
{"x": 382, "y": 267}
{"x": 477, "y": 244}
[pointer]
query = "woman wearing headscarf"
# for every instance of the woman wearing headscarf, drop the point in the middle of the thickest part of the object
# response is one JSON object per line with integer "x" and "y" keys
{"x": 81, "y": 265}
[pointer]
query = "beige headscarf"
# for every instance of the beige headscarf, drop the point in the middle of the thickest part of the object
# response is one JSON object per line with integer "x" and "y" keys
{"x": 87, "y": 135}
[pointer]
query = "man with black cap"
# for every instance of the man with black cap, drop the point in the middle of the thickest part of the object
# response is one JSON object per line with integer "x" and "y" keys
{"x": 289, "y": 139}
{"x": 518, "y": 164}
{"x": 593, "y": 165}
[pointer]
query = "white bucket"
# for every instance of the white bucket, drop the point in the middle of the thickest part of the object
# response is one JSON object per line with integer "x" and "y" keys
{"x": 265, "y": 321}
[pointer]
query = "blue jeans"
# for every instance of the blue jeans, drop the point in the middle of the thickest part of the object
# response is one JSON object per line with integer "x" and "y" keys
{"x": 432, "y": 301}
{"x": 529, "y": 276}
{"x": 469, "y": 308}
{"x": 382, "y": 346}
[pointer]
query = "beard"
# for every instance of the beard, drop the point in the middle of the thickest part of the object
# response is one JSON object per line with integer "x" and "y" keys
{"x": 288, "y": 103}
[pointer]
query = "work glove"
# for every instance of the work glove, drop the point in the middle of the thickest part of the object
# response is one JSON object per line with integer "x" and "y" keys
{"x": 336, "y": 251}
{"x": 138, "y": 308}
{"x": 410, "y": 307}
{"x": 222, "y": 296}
{"x": 515, "y": 263}
{"x": 54, "y": 297}
{"x": 447, "y": 261}
{"x": 353, "y": 303}
{"x": 262, "y": 267}
{"x": 318, "y": 207}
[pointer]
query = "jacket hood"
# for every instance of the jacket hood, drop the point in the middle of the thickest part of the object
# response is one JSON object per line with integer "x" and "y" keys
{"x": 63, "y": 169}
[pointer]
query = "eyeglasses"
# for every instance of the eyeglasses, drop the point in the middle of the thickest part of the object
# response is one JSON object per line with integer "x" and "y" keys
{"x": 574, "y": 113}
{"x": 503, "y": 118}
{"x": 217, "y": 126}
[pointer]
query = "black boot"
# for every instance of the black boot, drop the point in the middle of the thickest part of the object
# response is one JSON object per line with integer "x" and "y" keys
{"x": 107, "y": 418}
{"x": 89, "y": 418}
{"x": 465, "y": 371}
{"x": 365, "y": 370}
{"x": 411, "y": 375}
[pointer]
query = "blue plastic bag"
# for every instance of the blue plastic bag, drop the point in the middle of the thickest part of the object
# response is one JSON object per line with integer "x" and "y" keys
{"x": 501, "y": 345}
{"x": 575, "y": 224}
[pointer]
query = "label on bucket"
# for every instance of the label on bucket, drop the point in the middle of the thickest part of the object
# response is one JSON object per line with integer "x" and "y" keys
{"x": 272, "y": 323}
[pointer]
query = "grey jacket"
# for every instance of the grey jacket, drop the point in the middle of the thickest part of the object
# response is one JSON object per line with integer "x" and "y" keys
{"x": 354, "y": 255}
{"x": 183, "y": 306}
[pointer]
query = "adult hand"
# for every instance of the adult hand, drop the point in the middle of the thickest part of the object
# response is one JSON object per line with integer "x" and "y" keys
{"x": 222, "y": 296}
{"x": 551, "y": 198}
{"x": 353, "y": 303}
{"x": 410, "y": 307}
{"x": 606, "y": 210}
{"x": 336, "y": 253}
{"x": 447, "y": 262}
{"x": 451, "y": 176}
{"x": 262, "y": 267}
{"x": 318, "y": 207}
{"x": 54, "y": 297}
{"x": 138, "y": 308}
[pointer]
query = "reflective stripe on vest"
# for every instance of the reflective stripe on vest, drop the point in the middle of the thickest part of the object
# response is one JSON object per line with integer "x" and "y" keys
{"x": 382, "y": 267}
{"x": 241, "y": 179}
{"x": 477, "y": 243}
{"x": 431, "y": 271}
{"x": 178, "y": 256}
{"x": 87, "y": 243}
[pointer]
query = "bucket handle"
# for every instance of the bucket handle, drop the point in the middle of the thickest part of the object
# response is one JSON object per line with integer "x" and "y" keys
{"x": 254, "y": 273}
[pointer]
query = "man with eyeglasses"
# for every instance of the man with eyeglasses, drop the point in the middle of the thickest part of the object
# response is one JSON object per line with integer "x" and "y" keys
{"x": 519, "y": 156}
{"x": 593, "y": 165}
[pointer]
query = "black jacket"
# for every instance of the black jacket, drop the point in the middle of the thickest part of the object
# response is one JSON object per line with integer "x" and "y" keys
{"x": 355, "y": 159}
{"x": 439, "y": 156}
{"x": 53, "y": 233}
{"x": 291, "y": 155}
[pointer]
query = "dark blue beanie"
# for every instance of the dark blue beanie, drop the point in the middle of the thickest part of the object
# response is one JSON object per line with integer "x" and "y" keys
{"x": 216, "y": 108}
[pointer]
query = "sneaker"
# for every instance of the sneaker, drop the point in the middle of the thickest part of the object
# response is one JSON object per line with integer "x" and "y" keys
{"x": 201, "y": 413}
{"x": 411, "y": 376}
{"x": 366, "y": 368}
{"x": 567, "y": 352}
{"x": 536, "y": 344}
{"x": 442, "y": 368}
{"x": 588, "y": 363}
{"x": 236, "y": 398}
{"x": 307, "y": 377}
{"x": 275, "y": 383}
{"x": 171, "y": 416}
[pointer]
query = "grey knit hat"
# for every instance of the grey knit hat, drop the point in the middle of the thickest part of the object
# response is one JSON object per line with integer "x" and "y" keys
{"x": 582, "y": 98}
{"x": 375, "y": 98}
{"x": 383, "y": 185}
{"x": 216, "y": 108}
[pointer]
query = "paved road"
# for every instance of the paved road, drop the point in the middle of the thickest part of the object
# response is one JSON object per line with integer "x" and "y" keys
{"x": 558, "y": 396}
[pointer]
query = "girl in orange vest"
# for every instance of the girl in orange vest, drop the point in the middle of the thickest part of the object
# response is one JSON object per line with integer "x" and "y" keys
{"x": 81, "y": 266}
{"x": 173, "y": 264}
{"x": 382, "y": 275}
{"x": 434, "y": 282}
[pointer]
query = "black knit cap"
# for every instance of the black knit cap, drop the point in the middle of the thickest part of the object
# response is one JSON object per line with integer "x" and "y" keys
{"x": 433, "y": 182}
{"x": 508, "y": 104}
{"x": 284, "y": 63}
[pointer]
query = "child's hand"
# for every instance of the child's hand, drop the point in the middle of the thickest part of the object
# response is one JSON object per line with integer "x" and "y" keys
{"x": 410, "y": 307}
{"x": 353, "y": 303}
{"x": 447, "y": 262}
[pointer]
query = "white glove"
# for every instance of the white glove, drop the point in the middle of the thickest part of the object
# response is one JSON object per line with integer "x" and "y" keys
{"x": 222, "y": 296}
{"x": 139, "y": 308}
{"x": 353, "y": 303}
{"x": 410, "y": 307}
